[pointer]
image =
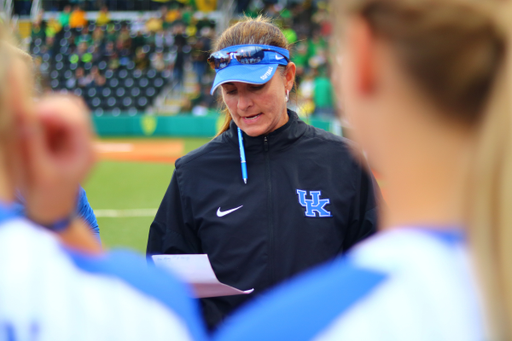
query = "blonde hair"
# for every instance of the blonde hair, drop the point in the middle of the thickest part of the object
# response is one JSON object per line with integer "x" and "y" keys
{"x": 456, "y": 52}
{"x": 10, "y": 52}
{"x": 260, "y": 30}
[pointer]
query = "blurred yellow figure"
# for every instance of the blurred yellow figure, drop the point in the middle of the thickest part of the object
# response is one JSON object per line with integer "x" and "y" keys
{"x": 206, "y": 5}
{"x": 77, "y": 18}
{"x": 103, "y": 16}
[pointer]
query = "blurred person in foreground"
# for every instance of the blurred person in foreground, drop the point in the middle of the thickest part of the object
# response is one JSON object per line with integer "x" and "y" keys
{"x": 61, "y": 286}
{"x": 426, "y": 86}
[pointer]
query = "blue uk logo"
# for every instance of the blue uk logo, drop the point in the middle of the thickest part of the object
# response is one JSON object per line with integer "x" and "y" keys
{"x": 315, "y": 204}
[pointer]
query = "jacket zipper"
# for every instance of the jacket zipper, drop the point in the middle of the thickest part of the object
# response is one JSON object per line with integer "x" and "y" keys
{"x": 272, "y": 278}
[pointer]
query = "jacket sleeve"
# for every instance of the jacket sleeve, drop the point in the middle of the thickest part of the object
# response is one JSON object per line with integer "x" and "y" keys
{"x": 171, "y": 232}
{"x": 85, "y": 212}
{"x": 364, "y": 216}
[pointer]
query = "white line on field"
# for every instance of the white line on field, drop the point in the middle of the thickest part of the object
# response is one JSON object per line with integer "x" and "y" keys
{"x": 137, "y": 212}
{"x": 114, "y": 147}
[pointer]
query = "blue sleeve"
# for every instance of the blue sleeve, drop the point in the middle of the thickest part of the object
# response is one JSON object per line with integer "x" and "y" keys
{"x": 148, "y": 280}
{"x": 300, "y": 309}
{"x": 85, "y": 212}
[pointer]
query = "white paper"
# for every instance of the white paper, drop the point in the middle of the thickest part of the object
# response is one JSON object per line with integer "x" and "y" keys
{"x": 197, "y": 271}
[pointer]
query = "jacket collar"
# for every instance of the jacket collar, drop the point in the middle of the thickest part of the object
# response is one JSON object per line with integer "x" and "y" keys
{"x": 277, "y": 140}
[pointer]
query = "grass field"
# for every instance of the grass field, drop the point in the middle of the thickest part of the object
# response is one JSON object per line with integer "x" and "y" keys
{"x": 126, "y": 187}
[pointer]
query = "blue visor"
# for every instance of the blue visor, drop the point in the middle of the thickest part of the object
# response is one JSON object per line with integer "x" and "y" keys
{"x": 258, "y": 73}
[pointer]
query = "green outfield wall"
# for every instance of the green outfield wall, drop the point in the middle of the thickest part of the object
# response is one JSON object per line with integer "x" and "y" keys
{"x": 180, "y": 125}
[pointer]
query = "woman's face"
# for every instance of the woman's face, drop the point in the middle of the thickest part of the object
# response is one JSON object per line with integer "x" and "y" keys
{"x": 259, "y": 109}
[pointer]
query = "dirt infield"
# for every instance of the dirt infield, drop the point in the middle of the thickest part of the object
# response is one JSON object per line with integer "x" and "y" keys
{"x": 141, "y": 151}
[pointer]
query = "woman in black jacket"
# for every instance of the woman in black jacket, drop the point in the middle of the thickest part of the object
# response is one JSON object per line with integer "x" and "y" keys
{"x": 306, "y": 200}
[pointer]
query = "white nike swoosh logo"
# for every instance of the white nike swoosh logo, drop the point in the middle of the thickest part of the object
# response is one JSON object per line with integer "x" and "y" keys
{"x": 279, "y": 57}
{"x": 223, "y": 213}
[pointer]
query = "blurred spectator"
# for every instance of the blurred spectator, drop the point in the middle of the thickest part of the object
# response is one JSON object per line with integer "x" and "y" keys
{"x": 51, "y": 46}
{"x": 172, "y": 16}
{"x": 200, "y": 53}
{"x": 141, "y": 59}
{"x": 37, "y": 32}
{"x": 163, "y": 16}
{"x": 180, "y": 41}
{"x": 315, "y": 44}
{"x": 97, "y": 54}
{"x": 318, "y": 60}
{"x": 306, "y": 92}
{"x": 179, "y": 38}
{"x": 158, "y": 62}
{"x": 124, "y": 41}
{"x": 186, "y": 106}
{"x": 81, "y": 81}
{"x": 323, "y": 95}
{"x": 53, "y": 26}
{"x": 71, "y": 82}
{"x": 289, "y": 33}
{"x": 300, "y": 58}
{"x": 97, "y": 80}
{"x": 203, "y": 101}
{"x": 77, "y": 18}
{"x": 138, "y": 41}
{"x": 307, "y": 86}
{"x": 186, "y": 15}
{"x": 178, "y": 69}
{"x": 84, "y": 37}
{"x": 109, "y": 49}
{"x": 169, "y": 37}
{"x": 103, "y": 16}
{"x": 159, "y": 39}
{"x": 82, "y": 49}
{"x": 82, "y": 54}
{"x": 64, "y": 16}
{"x": 206, "y": 5}
{"x": 154, "y": 24}
{"x": 98, "y": 37}
{"x": 113, "y": 61}
{"x": 139, "y": 25}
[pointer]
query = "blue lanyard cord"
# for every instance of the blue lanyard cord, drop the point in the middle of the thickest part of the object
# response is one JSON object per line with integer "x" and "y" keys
{"x": 242, "y": 155}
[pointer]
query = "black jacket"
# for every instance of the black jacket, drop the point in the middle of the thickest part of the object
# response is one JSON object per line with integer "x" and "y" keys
{"x": 270, "y": 238}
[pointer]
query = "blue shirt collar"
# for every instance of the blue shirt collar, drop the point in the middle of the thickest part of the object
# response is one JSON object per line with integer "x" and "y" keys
{"x": 7, "y": 212}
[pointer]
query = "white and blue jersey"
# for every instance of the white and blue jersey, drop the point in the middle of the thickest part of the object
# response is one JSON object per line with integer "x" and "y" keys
{"x": 405, "y": 284}
{"x": 48, "y": 292}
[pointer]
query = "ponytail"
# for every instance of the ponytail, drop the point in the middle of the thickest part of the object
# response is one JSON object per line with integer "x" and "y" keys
{"x": 227, "y": 122}
{"x": 490, "y": 206}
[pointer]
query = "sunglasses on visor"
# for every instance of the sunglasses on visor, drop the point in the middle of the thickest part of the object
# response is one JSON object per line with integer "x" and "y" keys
{"x": 247, "y": 55}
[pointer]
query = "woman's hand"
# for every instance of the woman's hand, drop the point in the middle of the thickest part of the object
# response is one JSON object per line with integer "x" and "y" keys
{"x": 58, "y": 153}
{"x": 78, "y": 236}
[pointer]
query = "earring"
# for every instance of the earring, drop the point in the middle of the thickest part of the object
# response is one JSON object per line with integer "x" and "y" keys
{"x": 287, "y": 95}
